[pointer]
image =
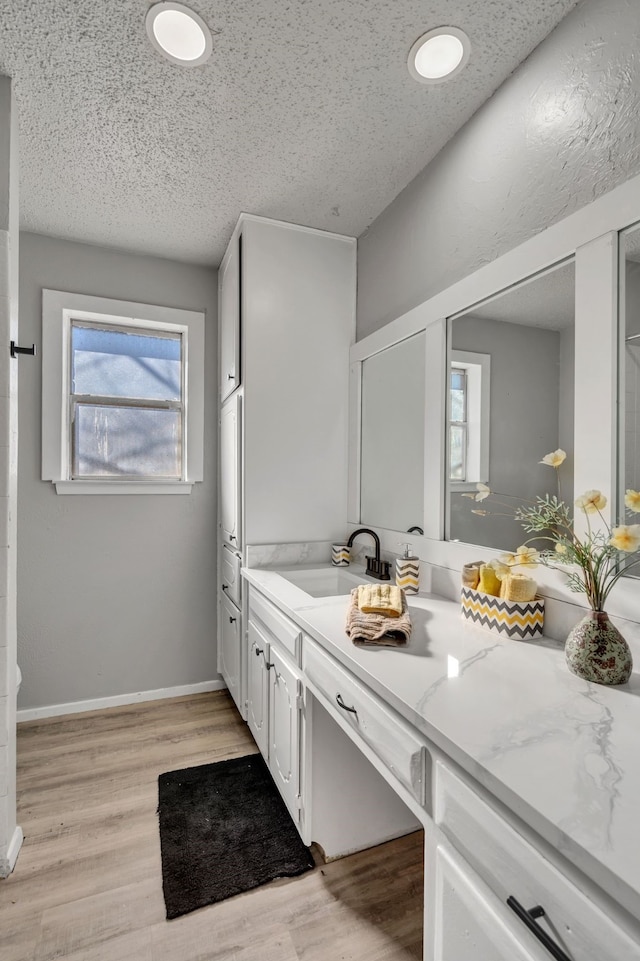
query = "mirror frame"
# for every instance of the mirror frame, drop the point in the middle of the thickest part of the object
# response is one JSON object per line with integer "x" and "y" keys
{"x": 591, "y": 235}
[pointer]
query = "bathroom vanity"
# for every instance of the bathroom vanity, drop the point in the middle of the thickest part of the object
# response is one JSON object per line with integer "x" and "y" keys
{"x": 524, "y": 777}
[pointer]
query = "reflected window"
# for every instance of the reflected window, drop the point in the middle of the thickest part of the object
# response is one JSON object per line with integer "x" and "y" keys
{"x": 126, "y": 402}
{"x": 458, "y": 424}
{"x": 469, "y": 417}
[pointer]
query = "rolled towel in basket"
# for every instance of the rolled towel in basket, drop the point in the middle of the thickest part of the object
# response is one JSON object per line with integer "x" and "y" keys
{"x": 377, "y": 630}
{"x": 489, "y": 582}
{"x": 518, "y": 587}
{"x": 471, "y": 574}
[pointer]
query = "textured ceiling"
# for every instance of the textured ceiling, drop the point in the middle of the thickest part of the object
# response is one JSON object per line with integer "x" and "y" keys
{"x": 306, "y": 112}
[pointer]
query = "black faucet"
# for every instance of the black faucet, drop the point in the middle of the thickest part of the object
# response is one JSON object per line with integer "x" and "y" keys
{"x": 375, "y": 567}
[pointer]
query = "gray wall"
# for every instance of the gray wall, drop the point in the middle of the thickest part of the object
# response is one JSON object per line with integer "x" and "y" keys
{"x": 558, "y": 133}
{"x": 116, "y": 594}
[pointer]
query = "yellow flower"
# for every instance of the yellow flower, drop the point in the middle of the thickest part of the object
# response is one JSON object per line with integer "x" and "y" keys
{"x": 560, "y": 548}
{"x": 626, "y": 538}
{"x": 555, "y": 458}
{"x": 501, "y": 570}
{"x": 483, "y": 491}
{"x": 507, "y": 560}
{"x": 526, "y": 556}
{"x": 591, "y": 501}
{"x": 632, "y": 501}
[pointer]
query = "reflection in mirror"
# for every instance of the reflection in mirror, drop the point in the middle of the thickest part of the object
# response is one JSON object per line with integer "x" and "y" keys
{"x": 392, "y": 436}
{"x": 511, "y": 378}
{"x": 629, "y": 401}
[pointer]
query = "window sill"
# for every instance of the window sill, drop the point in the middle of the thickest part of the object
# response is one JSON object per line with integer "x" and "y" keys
{"x": 458, "y": 487}
{"x": 122, "y": 487}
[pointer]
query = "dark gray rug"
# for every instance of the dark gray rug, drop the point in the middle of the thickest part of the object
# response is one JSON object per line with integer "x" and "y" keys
{"x": 224, "y": 829}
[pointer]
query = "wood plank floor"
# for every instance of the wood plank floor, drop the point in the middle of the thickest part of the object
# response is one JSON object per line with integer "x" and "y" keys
{"x": 88, "y": 885}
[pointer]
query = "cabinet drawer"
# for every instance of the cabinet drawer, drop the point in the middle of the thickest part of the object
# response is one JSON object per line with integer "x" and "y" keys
{"x": 395, "y": 743}
{"x": 230, "y": 580}
{"x": 511, "y": 865}
{"x": 274, "y": 625}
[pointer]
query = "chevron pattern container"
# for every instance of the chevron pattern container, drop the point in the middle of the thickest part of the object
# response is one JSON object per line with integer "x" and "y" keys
{"x": 340, "y": 555}
{"x": 408, "y": 574}
{"x": 518, "y": 620}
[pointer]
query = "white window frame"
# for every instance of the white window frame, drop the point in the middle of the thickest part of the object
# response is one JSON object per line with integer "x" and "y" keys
{"x": 58, "y": 309}
{"x": 478, "y": 370}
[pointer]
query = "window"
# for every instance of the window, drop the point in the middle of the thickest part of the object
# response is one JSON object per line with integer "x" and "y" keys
{"x": 469, "y": 387}
{"x": 458, "y": 426}
{"x": 122, "y": 396}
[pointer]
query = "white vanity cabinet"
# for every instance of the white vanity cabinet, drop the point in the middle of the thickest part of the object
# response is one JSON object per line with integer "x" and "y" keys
{"x": 274, "y": 696}
{"x": 465, "y": 921}
{"x": 287, "y": 321}
{"x": 230, "y": 648}
{"x": 469, "y": 889}
{"x": 230, "y": 318}
{"x": 230, "y": 471}
{"x": 285, "y": 721}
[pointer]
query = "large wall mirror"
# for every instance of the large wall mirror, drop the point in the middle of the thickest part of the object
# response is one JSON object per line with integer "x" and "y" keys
{"x": 510, "y": 402}
{"x": 629, "y": 371}
{"x": 392, "y": 436}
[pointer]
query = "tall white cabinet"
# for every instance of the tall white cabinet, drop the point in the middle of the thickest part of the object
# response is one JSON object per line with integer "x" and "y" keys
{"x": 287, "y": 319}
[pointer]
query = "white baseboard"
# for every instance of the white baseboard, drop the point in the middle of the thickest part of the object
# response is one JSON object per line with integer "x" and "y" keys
{"x": 8, "y": 862}
{"x": 118, "y": 700}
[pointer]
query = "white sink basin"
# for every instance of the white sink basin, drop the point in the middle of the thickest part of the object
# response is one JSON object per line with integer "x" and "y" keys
{"x": 324, "y": 581}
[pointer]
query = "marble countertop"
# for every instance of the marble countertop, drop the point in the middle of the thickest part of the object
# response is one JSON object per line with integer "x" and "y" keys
{"x": 561, "y": 753}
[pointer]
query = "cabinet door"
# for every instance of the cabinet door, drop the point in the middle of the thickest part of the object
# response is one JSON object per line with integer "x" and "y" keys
{"x": 230, "y": 322}
{"x": 230, "y": 450}
{"x": 257, "y": 688}
{"x": 284, "y": 730}
{"x": 470, "y": 923}
{"x": 229, "y": 655}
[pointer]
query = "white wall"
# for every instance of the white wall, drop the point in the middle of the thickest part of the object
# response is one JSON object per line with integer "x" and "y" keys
{"x": 10, "y": 834}
{"x": 561, "y": 131}
{"x": 116, "y": 594}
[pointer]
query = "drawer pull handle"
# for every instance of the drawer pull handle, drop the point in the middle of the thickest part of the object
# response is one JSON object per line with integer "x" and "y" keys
{"x": 225, "y": 587}
{"x": 345, "y": 707}
{"x": 259, "y": 651}
{"x": 232, "y": 537}
{"x": 530, "y": 917}
{"x": 231, "y": 376}
{"x": 268, "y": 665}
{"x": 232, "y": 620}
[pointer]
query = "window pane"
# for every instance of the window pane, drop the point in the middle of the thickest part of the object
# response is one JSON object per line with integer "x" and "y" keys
{"x": 120, "y": 364}
{"x": 458, "y": 394}
{"x": 116, "y": 441}
{"x": 458, "y": 450}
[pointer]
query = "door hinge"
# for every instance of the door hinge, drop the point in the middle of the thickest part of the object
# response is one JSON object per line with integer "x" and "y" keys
{"x": 298, "y": 802}
{"x": 299, "y": 702}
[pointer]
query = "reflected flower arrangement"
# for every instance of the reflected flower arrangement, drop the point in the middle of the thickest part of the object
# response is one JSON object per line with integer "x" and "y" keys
{"x": 594, "y": 562}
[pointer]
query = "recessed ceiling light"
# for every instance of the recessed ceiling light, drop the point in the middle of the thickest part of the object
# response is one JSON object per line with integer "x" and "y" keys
{"x": 179, "y": 34}
{"x": 438, "y": 55}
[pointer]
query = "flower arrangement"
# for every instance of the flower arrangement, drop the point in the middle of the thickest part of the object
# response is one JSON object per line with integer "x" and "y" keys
{"x": 595, "y": 561}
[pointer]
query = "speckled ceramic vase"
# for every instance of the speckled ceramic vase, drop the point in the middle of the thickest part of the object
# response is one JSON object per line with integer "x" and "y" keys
{"x": 597, "y": 651}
